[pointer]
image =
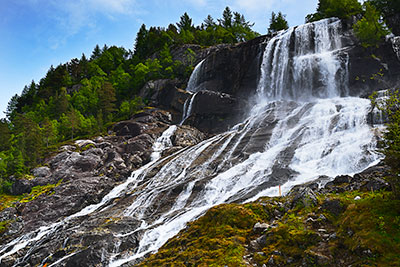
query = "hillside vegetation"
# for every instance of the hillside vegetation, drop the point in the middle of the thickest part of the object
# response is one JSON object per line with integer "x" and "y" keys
{"x": 83, "y": 97}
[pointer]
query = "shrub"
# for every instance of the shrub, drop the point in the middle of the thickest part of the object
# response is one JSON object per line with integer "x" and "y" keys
{"x": 370, "y": 30}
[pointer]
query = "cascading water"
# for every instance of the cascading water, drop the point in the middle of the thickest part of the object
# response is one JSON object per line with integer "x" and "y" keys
{"x": 303, "y": 63}
{"x": 187, "y": 108}
{"x": 193, "y": 88}
{"x": 300, "y": 129}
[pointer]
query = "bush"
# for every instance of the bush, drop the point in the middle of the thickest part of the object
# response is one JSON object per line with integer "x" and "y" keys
{"x": 370, "y": 30}
{"x": 391, "y": 107}
{"x": 335, "y": 8}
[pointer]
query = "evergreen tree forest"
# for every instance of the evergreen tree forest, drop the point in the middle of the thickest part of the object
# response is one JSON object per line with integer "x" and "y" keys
{"x": 86, "y": 95}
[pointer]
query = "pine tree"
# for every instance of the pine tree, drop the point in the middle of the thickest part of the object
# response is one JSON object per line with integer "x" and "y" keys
{"x": 226, "y": 20}
{"x": 107, "y": 99}
{"x": 96, "y": 53}
{"x": 209, "y": 22}
{"x": 185, "y": 24}
{"x": 141, "y": 45}
{"x": 277, "y": 23}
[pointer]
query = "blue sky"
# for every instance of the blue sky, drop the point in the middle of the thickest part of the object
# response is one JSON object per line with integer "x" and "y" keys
{"x": 35, "y": 34}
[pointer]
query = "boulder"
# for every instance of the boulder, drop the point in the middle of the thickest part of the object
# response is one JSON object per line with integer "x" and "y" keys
{"x": 303, "y": 195}
{"x": 128, "y": 128}
{"x": 260, "y": 227}
{"x": 41, "y": 172}
{"x": 334, "y": 206}
{"x": 21, "y": 186}
{"x": 87, "y": 163}
{"x": 186, "y": 136}
{"x": 83, "y": 143}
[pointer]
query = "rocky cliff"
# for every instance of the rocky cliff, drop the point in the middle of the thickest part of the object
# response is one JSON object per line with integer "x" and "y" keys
{"x": 230, "y": 74}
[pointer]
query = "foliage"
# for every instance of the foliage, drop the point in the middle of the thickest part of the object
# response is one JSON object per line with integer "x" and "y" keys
{"x": 370, "y": 30}
{"x": 216, "y": 239}
{"x": 231, "y": 28}
{"x": 335, "y": 8}
{"x": 390, "y": 106}
{"x": 84, "y": 96}
{"x": 374, "y": 221}
{"x": 224, "y": 234}
{"x": 277, "y": 23}
{"x": 386, "y": 7}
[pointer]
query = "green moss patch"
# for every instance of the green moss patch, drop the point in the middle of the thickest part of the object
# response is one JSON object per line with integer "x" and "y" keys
{"x": 365, "y": 233}
{"x": 216, "y": 239}
{"x": 7, "y": 200}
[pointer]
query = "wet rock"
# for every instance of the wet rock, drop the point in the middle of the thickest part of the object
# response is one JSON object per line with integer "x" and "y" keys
{"x": 363, "y": 66}
{"x": 393, "y": 22}
{"x": 214, "y": 112}
{"x": 186, "y": 136}
{"x": 41, "y": 172}
{"x": 334, "y": 206}
{"x": 165, "y": 93}
{"x": 233, "y": 69}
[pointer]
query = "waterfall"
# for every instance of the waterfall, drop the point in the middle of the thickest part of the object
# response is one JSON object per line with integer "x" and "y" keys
{"x": 192, "y": 88}
{"x": 162, "y": 143}
{"x": 299, "y": 129}
{"x": 303, "y": 63}
{"x": 192, "y": 85}
{"x": 187, "y": 108}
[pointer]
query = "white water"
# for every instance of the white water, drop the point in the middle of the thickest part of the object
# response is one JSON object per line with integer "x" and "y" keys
{"x": 311, "y": 137}
{"x": 162, "y": 143}
{"x": 187, "y": 108}
{"x": 314, "y": 71}
{"x": 194, "y": 78}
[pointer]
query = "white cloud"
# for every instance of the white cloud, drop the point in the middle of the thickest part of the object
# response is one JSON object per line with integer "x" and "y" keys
{"x": 254, "y": 6}
{"x": 73, "y": 16}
